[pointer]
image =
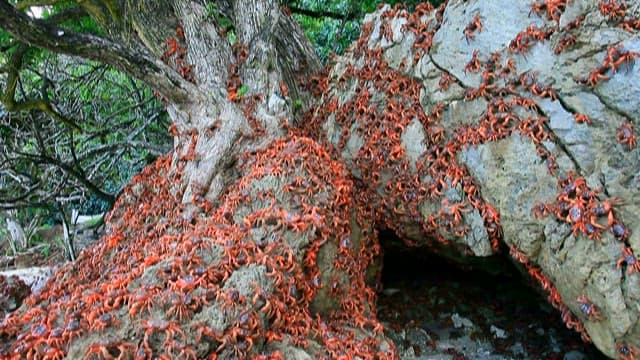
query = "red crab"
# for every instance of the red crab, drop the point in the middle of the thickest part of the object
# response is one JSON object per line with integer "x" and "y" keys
{"x": 474, "y": 25}
{"x": 629, "y": 258}
{"x": 625, "y": 135}
{"x": 582, "y": 118}
{"x": 588, "y": 308}
{"x": 626, "y": 351}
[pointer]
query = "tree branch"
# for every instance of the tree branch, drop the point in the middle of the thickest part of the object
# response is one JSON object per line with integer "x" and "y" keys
{"x": 71, "y": 13}
{"x": 138, "y": 61}
{"x": 70, "y": 171}
{"x": 23, "y": 5}
{"x": 316, "y": 14}
{"x": 8, "y": 99}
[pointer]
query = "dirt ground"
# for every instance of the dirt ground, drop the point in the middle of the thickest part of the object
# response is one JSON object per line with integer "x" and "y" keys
{"x": 434, "y": 310}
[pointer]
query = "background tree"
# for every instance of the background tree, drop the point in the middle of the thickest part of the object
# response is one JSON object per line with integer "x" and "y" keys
{"x": 47, "y": 161}
{"x": 90, "y": 148}
{"x": 66, "y": 87}
{"x": 64, "y": 143}
{"x": 253, "y": 237}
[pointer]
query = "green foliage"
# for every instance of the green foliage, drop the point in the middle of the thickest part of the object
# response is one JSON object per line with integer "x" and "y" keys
{"x": 46, "y": 250}
{"x": 330, "y": 35}
{"x": 222, "y": 21}
{"x": 85, "y": 24}
{"x": 334, "y": 35}
{"x": 211, "y": 9}
{"x": 99, "y": 91}
{"x": 111, "y": 108}
{"x": 242, "y": 90}
{"x": 29, "y": 219}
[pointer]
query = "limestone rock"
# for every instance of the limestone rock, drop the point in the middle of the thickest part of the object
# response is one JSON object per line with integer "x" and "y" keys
{"x": 537, "y": 70}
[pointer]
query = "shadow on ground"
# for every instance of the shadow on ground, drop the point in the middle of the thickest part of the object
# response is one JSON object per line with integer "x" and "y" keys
{"x": 433, "y": 309}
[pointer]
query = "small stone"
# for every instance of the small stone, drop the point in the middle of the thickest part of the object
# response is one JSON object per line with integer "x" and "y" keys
{"x": 574, "y": 355}
{"x": 390, "y": 291}
{"x": 459, "y": 321}
{"x": 498, "y": 333}
{"x": 518, "y": 349}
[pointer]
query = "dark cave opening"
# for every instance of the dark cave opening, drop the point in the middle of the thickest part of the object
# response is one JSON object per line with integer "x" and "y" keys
{"x": 488, "y": 310}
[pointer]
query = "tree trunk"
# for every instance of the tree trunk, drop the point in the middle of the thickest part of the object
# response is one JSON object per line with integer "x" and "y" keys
{"x": 18, "y": 239}
{"x": 257, "y": 235}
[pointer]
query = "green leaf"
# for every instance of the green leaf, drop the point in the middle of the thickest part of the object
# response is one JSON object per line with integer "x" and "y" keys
{"x": 243, "y": 90}
{"x": 231, "y": 36}
{"x": 211, "y": 10}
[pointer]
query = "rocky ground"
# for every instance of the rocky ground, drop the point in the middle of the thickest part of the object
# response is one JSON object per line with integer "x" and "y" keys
{"x": 433, "y": 310}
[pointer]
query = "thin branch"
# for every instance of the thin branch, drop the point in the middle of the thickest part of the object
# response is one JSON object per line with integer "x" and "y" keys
{"x": 22, "y": 5}
{"x": 70, "y": 171}
{"x": 15, "y": 64}
{"x": 134, "y": 60}
{"x": 316, "y": 14}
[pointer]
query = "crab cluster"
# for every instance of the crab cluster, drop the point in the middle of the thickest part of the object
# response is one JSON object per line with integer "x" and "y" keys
{"x": 385, "y": 104}
{"x": 234, "y": 83}
{"x": 588, "y": 215}
{"x": 175, "y": 54}
{"x": 615, "y": 11}
{"x": 615, "y": 58}
{"x": 157, "y": 275}
{"x": 580, "y": 206}
{"x": 284, "y": 256}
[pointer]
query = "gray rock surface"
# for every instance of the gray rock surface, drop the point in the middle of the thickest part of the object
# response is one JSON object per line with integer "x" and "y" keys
{"x": 510, "y": 172}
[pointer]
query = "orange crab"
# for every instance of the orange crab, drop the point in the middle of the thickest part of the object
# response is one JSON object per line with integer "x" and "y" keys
{"x": 630, "y": 259}
{"x": 589, "y": 308}
{"x": 474, "y": 25}
{"x": 625, "y": 135}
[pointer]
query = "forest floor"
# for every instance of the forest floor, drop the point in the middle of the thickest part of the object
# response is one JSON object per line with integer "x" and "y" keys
{"x": 433, "y": 310}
